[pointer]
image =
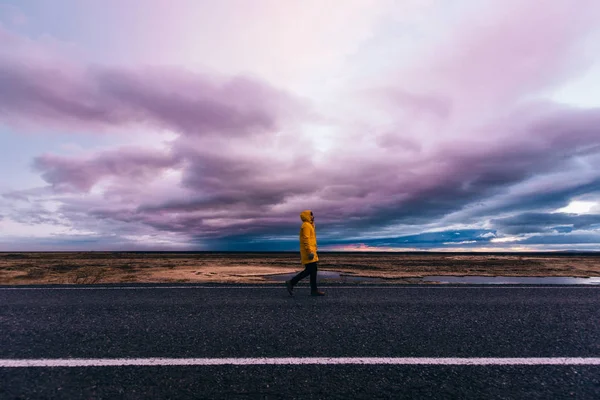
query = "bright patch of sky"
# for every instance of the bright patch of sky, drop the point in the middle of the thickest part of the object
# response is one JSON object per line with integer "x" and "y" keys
{"x": 579, "y": 207}
{"x": 581, "y": 91}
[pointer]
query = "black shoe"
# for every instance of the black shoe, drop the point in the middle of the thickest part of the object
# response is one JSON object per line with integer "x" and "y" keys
{"x": 289, "y": 287}
{"x": 317, "y": 293}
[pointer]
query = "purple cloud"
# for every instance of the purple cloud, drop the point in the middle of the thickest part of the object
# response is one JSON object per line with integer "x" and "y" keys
{"x": 255, "y": 195}
{"x": 460, "y": 137}
{"x": 132, "y": 164}
{"x": 101, "y": 98}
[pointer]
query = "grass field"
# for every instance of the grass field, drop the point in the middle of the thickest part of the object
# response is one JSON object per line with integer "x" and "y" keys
{"x": 124, "y": 267}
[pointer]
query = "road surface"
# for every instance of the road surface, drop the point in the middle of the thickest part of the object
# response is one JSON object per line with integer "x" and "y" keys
{"x": 424, "y": 341}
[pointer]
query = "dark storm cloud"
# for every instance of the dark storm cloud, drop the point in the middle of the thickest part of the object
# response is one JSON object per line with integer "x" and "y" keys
{"x": 238, "y": 194}
{"x": 135, "y": 164}
{"x": 545, "y": 222}
{"x": 93, "y": 98}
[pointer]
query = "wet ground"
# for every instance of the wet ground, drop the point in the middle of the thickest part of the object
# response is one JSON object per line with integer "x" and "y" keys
{"x": 335, "y": 276}
{"x": 503, "y": 280}
{"x": 326, "y": 276}
{"x": 260, "y": 268}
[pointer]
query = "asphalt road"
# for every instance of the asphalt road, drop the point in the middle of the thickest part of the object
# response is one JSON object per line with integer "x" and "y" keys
{"x": 436, "y": 322}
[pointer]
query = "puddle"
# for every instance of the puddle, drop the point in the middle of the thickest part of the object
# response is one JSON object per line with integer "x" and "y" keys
{"x": 502, "y": 280}
{"x": 325, "y": 275}
{"x": 485, "y": 280}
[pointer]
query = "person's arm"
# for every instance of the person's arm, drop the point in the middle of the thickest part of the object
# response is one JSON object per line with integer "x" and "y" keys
{"x": 305, "y": 234}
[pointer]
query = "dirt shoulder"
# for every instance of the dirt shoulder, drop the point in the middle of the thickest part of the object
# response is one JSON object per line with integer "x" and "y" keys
{"x": 122, "y": 267}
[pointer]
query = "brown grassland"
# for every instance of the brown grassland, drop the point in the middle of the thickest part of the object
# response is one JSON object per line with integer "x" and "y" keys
{"x": 126, "y": 267}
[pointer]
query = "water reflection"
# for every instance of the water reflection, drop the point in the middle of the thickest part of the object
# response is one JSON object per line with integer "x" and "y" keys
{"x": 485, "y": 280}
{"x": 326, "y": 275}
{"x": 502, "y": 280}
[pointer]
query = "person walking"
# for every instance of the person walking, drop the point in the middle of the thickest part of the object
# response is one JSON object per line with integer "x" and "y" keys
{"x": 308, "y": 255}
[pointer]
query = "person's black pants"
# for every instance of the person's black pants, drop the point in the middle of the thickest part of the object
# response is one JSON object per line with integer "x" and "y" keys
{"x": 309, "y": 269}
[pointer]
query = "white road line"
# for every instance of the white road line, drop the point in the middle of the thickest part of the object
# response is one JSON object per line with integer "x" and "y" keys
{"x": 118, "y": 362}
{"x": 279, "y": 287}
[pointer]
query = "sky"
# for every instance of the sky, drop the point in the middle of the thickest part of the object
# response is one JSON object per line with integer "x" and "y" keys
{"x": 471, "y": 125}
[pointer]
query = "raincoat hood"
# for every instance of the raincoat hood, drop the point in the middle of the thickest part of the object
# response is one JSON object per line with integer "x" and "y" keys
{"x": 305, "y": 216}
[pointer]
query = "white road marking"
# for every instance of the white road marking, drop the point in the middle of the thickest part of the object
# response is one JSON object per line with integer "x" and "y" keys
{"x": 119, "y": 362}
{"x": 279, "y": 287}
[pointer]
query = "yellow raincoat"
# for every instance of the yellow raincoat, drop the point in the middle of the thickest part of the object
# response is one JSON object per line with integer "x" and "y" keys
{"x": 308, "y": 238}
